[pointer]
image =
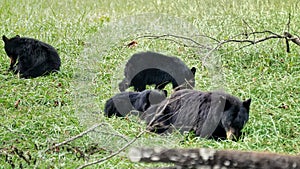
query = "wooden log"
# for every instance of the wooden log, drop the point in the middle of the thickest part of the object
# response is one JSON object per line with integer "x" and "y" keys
{"x": 215, "y": 159}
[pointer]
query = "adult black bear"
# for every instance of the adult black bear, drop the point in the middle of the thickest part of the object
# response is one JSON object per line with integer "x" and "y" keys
{"x": 148, "y": 68}
{"x": 122, "y": 103}
{"x": 35, "y": 58}
{"x": 215, "y": 115}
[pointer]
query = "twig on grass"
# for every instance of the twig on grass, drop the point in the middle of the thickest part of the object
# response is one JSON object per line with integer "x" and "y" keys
{"x": 167, "y": 37}
{"x": 113, "y": 134}
{"x": 252, "y": 42}
{"x": 292, "y": 38}
{"x": 209, "y": 37}
{"x": 252, "y": 30}
{"x": 286, "y": 35}
{"x": 75, "y": 137}
{"x": 289, "y": 22}
{"x": 288, "y": 30}
{"x": 113, "y": 154}
{"x": 272, "y": 35}
{"x": 20, "y": 153}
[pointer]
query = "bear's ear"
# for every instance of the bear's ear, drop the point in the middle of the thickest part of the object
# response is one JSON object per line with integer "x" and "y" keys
{"x": 193, "y": 70}
{"x": 165, "y": 92}
{"x": 247, "y": 103}
{"x": 146, "y": 103}
{"x": 143, "y": 103}
{"x": 4, "y": 38}
{"x": 17, "y": 36}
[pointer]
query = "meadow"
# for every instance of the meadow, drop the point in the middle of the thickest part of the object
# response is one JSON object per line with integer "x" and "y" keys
{"x": 91, "y": 38}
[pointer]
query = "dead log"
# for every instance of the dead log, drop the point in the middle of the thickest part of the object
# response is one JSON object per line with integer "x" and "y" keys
{"x": 215, "y": 159}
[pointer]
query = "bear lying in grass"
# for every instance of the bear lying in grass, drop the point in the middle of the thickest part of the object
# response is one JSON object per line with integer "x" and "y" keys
{"x": 149, "y": 68}
{"x": 32, "y": 57}
{"x": 123, "y": 103}
{"x": 215, "y": 115}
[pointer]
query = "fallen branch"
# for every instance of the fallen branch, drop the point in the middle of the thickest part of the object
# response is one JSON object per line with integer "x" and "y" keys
{"x": 113, "y": 154}
{"x": 169, "y": 36}
{"x": 210, "y": 158}
{"x": 272, "y": 36}
{"x": 75, "y": 137}
{"x": 113, "y": 134}
{"x": 292, "y": 38}
{"x": 287, "y": 36}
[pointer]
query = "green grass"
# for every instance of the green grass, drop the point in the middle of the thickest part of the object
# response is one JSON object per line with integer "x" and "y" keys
{"x": 90, "y": 37}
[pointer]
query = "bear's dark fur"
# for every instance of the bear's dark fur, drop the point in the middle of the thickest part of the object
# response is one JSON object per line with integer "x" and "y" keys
{"x": 35, "y": 58}
{"x": 122, "y": 103}
{"x": 149, "y": 68}
{"x": 215, "y": 115}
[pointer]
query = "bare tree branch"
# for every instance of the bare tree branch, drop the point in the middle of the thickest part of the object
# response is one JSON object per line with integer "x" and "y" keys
{"x": 251, "y": 41}
{"x": 292, "y": 38}
{"x": 209, "y": 37}
{"x": 165, "y": 36}
{"x": 287, "y": 36}
{"x": 288, "y": 23}
{"x": 287, "y": 45}
{"x": 76, "y": 137}
{"x": 272, "y": 35}
{"x": 263, "y": 32}
{"x": 113, "y": 134}
{"x": 113, "y": 154}
{"x": 252, "y": 30}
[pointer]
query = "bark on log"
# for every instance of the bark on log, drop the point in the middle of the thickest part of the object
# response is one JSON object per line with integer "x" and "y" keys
{"x": 215, "y": 159}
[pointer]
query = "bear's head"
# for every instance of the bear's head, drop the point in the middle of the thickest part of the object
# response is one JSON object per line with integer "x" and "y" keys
{"x": 235, "y": 116}
{"x": 11, "y": 48}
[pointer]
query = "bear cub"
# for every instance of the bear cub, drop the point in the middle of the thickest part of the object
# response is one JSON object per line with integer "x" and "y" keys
{"x": 30, "y": 57}
{"x": 150, "y": 68}
{"x": 123, "y": 103}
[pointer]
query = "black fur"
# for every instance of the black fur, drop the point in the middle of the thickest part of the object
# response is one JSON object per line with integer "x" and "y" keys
{"x": 122, "y": 103}
{"x": 35, "y": 58}
{"x": 149, "y": 68}
{"x": 208, "y": 114}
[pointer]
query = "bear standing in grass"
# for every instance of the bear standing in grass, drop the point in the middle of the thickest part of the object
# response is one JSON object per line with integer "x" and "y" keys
{"x": 122, "y": 103}
{"x": 30, "y": 57}
{"x": 215, "y": 115}
{"x": 150, "y": 68}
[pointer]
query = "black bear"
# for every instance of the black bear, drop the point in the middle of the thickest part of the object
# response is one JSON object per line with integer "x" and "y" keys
{"x": 215, "y": 115}
{"x": 35, "y": 58}
{"x": 122, "y": 103}
{"x": 150, "y": 68}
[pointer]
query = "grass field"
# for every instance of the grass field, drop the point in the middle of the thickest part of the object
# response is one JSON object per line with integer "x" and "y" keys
{"x": 91, "y": 37}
